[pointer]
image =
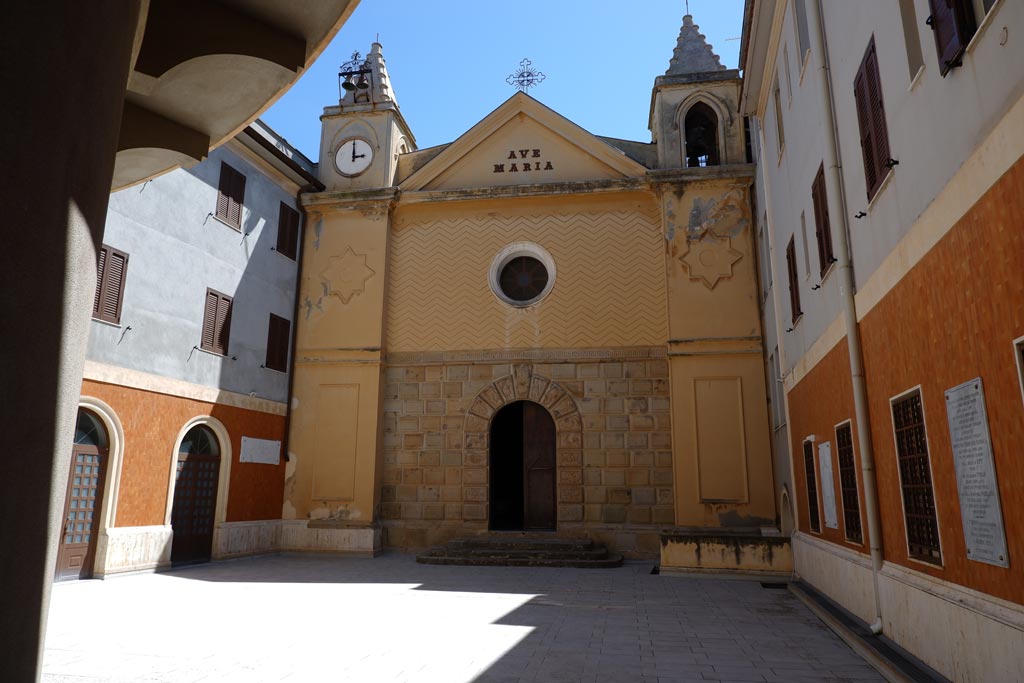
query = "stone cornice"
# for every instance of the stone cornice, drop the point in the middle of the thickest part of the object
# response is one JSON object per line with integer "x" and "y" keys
{"x": 678, "y": 176}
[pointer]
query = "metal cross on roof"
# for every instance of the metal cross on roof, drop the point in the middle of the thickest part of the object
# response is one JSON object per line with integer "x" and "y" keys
{"x": 526, "y": 77}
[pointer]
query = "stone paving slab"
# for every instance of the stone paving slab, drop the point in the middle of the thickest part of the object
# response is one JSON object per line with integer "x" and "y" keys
{"x": 308, "y": 618}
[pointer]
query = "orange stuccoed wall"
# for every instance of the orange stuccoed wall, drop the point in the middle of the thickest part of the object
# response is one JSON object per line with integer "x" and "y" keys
{"x": 951, "y": 319}
{"x": 151, "y": 423}
{"x": 817, "y": 404}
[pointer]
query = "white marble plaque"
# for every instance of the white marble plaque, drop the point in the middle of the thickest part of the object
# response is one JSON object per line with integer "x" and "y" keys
{"x": 828, "y": 486}
{"x": 261, "y": 451}
{"x": 975, "y": 474}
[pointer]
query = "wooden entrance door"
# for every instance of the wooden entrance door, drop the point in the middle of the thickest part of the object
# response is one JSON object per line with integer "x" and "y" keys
{"x": 195, "y": 496}
{"x": 539, "y": 442}
{"x": 522, "y": 469}
{"x": 84, "y": 499}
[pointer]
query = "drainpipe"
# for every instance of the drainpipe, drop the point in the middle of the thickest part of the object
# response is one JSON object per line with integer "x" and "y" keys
{"x": 299, "y": 255}
{"x": 834, "y": 185}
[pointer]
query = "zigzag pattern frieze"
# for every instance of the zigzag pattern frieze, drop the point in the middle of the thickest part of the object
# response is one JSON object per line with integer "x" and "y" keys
{"x": 609, "y": 289}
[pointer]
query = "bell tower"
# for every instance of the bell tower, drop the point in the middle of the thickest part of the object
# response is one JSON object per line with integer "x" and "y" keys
{"x": 695, "y": 118}
{"x": 363, "y": 135}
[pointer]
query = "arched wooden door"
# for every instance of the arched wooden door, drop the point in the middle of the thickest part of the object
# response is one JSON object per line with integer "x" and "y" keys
{"x": 522, "y": 469}
{"x": 84, "y": 499}
{"x": 195, "y": 496}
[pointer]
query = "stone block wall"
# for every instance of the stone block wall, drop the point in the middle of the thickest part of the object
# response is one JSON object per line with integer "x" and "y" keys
{"x": 614, "y": 451}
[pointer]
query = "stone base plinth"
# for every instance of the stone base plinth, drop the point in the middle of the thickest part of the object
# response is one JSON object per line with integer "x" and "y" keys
{"x": 121, "y": 550}
{"x": 326, "y": 537}
{"x": 741, "y": 553}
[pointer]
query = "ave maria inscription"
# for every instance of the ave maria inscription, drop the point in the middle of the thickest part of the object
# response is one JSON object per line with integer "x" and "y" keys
{"x": 523, "y": 160}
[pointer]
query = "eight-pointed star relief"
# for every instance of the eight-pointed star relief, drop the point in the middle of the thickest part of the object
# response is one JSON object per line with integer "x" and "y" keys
{"x": 710, "y": 260}
{"x": 346, "y": 275}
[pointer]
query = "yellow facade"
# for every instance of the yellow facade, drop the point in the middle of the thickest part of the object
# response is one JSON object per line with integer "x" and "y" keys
{"x": 645, "y": 351}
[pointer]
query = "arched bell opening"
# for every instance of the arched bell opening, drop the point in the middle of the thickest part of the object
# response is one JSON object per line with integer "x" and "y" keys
{"x": 701, "y": 129}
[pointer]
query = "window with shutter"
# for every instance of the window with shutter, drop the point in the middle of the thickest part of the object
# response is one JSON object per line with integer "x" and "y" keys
{"x": 230, "y": 196}
{"x": 874, "y": 135}
{"x": 216, "y": 323}
{"x": 916, "y": 479}
{"x": 794, "y": 292}
{"x": 111, "y": 267}
{"x": 278, "y": 336}
{"x": 803, "y": 35}
{"x": 812, "y": 487}
{"x": 778, "y": 116}
{"x": 288, "y": 231}
{"x": 822, "y": 229}
{"x": 953, "y": 24}
{"x": 848, "y": 484}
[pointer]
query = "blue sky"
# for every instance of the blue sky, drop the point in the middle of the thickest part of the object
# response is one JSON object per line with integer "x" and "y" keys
{"x": 448, "y": 61}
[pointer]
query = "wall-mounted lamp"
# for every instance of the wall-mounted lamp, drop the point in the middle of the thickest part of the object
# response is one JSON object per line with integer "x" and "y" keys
{"x": 816, "y": 287}
{"x": 789, "y": 329}
{"x": 859, "y": 215}
{"x": 892, "y": 162}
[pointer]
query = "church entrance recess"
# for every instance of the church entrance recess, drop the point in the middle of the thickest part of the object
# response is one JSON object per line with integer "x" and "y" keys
{"x": 195, "y": 496}
{"x": 522, "y": 469}
{"x": 84, "y": 499}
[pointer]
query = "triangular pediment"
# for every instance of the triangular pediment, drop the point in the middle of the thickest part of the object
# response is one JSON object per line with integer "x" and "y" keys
{"x": 522, "y": 142}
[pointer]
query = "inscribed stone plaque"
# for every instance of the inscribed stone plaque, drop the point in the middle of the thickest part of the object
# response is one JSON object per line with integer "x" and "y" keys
{"x": 828, "y": 486}
{"x": 261, "y": 451}
{"x": 975, "y": 474}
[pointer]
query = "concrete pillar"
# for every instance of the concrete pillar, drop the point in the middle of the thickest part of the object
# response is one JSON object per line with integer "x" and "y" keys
{"x": 65, "y": 66}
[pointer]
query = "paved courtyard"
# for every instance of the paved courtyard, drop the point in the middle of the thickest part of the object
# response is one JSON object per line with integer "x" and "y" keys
{"x": 302, "y": 618}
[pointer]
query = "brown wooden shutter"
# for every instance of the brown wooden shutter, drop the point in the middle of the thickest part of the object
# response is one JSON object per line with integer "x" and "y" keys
{"x": 111, "y": 266}
{"x": 210, "y": 320}
{"x": 822, "y": 229}
{"x": 230, "y": 195}
{"x": 953, "y": 24}
{"x": 879, "y": 130}
{"x": 288, "y": 231}
{"x": 794, "y": 292}
{"x": 874, "y": 134}
{"x": 237, "y": 199}
{"x": 278, "y": 337}
{"x": 113, "y": 286}
{"x": 867, "y": 147}
{"x": 223, "y": 327}
{"x": 101, "y": 260}
{"x": 224, "y": 191}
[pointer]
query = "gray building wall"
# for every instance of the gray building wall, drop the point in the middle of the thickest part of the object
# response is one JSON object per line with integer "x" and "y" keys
{"x": 176, "y": 250}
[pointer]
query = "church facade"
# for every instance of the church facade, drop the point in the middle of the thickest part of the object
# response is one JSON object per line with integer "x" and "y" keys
{"x": 531, "y": 329}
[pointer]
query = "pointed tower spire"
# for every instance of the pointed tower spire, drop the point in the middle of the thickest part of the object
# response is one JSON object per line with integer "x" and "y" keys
{"x": 378, "y": 91}
{"x": 693, "y": 54}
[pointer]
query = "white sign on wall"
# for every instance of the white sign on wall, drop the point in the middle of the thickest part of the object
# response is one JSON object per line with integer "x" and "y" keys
{"x": 976, "y": 485}
{"x": 828, "y": 486}
{"x": 261, "y": 451}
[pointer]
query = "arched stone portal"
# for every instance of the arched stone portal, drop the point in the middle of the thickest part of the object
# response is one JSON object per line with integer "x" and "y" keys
{"x": 522, "y": 469}
{"x": 524, "y": 385}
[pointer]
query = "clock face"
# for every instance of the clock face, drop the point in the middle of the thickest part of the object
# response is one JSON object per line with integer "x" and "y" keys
{"x": 354, "y": 156}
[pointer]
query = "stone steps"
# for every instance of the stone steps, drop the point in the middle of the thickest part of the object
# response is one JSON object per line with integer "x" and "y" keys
{"x": 505, "y": 551}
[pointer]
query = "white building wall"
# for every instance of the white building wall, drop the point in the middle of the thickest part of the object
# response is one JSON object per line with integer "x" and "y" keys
{"x": 176, "y": 249}
{"x": 934, "y": 123}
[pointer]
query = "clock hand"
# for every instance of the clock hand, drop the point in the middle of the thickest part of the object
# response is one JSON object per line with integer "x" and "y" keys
{"x": 354, "y": 150}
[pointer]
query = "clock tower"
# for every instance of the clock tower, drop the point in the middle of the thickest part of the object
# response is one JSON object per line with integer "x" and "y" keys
{"x": 363, "y": 135}
{"x": 332, "y": 500}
